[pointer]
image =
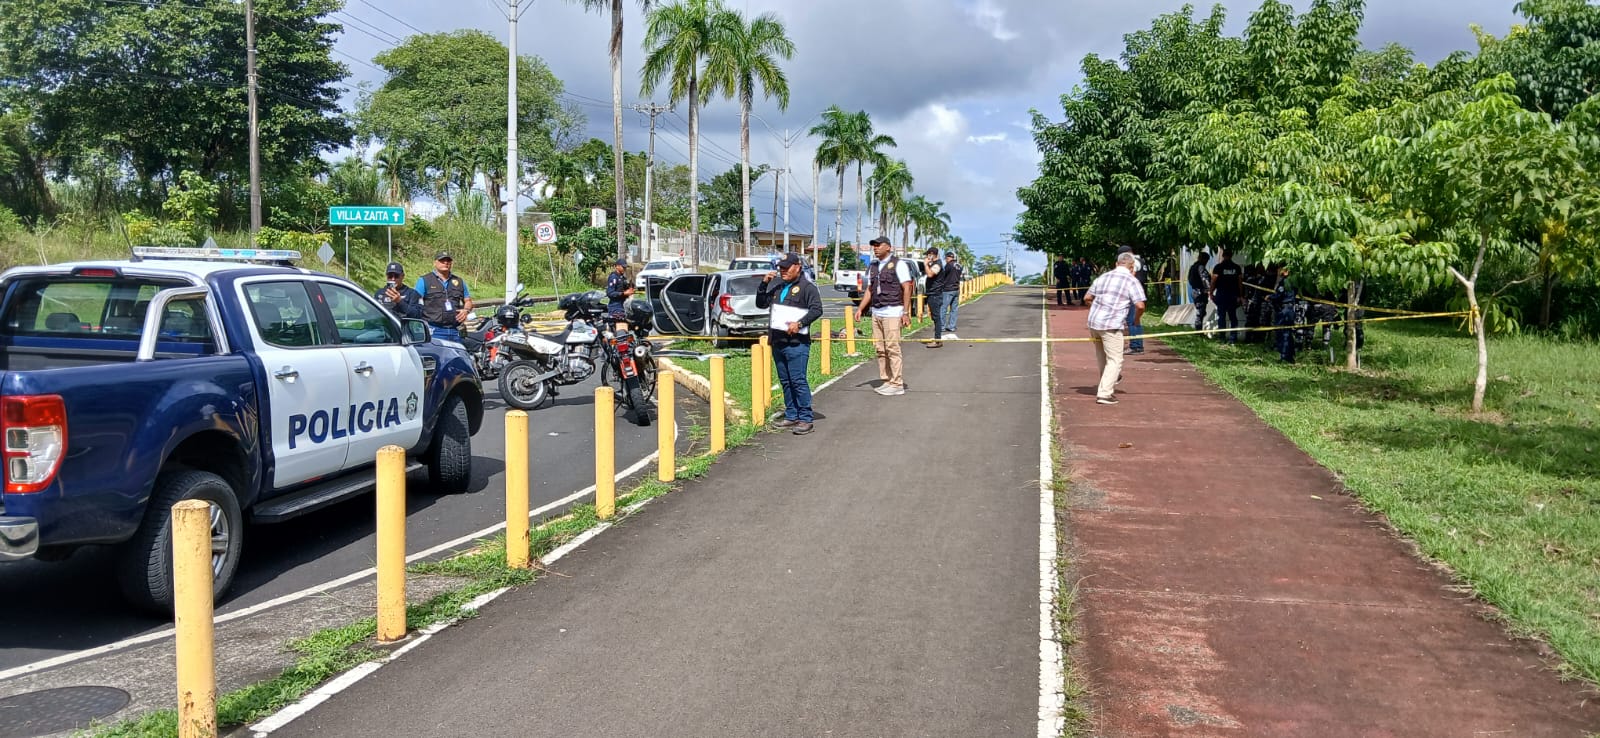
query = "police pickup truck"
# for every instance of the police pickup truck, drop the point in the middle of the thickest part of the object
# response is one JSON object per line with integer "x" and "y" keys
{"x": 213, "y": 374}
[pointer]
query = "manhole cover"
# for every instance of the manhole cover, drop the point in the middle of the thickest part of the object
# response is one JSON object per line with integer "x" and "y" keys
{"x": 55, "y": 710}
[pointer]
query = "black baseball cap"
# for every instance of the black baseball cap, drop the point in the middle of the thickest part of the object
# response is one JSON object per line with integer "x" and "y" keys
{"x": 443, "y": 256}
{"x": 621, "y": 262}
{"x": 1124, "y": 250}
{"x": 949, "y": 254}
{"x": 787, "y": 261}
{"x": 394, "y": 268}
{"x": 879, "y": 241}
{"x": 934, "y": 250}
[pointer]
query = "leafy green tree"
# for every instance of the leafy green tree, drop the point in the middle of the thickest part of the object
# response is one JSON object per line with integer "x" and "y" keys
{"x": 886, "y": 191}
{"x": 156, "y": 87}
{"x": 722, "y": 201}
{"x": 679, "y": 38}
{"x": 834, "y": 151}
{"x": 443, "y": 109}
{"x": 754, "y": 49}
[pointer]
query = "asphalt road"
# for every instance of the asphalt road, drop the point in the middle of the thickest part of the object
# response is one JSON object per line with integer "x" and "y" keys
{"x": 63, "y": 607}
{"x": 784, "y": 593}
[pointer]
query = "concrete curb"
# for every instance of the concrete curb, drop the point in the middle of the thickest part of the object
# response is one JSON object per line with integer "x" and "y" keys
{"x": 701, "y": 387}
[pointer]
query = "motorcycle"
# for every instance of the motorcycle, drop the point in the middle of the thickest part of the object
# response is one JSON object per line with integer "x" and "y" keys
{"x": 539, "y": 363}
{"x": 630, "y": 366}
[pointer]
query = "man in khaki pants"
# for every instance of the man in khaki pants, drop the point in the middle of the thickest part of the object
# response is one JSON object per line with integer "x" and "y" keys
{"x": 1110, "y": 298}
{"x": 889, "y": 288}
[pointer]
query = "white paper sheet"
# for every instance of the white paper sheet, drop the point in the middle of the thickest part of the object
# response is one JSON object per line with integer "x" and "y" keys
{"x": 783, "y": 315}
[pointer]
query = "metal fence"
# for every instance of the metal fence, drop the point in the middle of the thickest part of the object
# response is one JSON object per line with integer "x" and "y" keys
{"x": 673, "y": 242}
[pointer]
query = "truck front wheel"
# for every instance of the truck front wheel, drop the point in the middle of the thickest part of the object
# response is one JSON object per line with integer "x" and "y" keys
{"x": 450, "y": 455}
{"x": 144, "y": 563}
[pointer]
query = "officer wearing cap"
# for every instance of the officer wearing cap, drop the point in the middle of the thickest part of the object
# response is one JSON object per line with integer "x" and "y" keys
{"x": 796, "y": 304}
{"x": 618, "y": 290}
{"x": 446, "y": 302}
{"x": 398, "y": 296}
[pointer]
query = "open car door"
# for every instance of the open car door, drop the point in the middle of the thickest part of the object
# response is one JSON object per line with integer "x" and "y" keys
{"x": 683, "y": 300}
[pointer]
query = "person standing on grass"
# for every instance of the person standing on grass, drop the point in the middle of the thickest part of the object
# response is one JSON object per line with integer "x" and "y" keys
{"x": 1114, "y": 296}
{"x": 953, "y": 274}
{"x": 888, "y": 287}
{"x": 1200, "y": 288}
{"x": 1227, "y": 283}
{"x": 1082, "y": 275}
{"x": 787, "y": 289}
{"x": 937, "y": 291}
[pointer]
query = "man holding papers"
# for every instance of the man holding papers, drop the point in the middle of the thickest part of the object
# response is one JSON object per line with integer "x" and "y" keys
{"x": 795, "y": 304}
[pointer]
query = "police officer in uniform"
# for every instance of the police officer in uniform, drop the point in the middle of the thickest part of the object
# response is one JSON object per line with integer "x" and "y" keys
{"x": 618, "y": 291}
{"x": 1283, "y": 299}
{"x": 398, "y": 296}
{"x": 446, "y": 302}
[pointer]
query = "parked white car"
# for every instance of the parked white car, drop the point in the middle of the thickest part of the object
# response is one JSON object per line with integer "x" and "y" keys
{"x": 663, "y": 268}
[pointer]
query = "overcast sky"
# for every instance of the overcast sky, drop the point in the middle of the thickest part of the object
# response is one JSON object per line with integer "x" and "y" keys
{"x": 951, "y": 80}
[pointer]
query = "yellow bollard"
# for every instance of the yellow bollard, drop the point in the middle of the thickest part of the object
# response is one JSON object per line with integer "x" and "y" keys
{"x": 605, "y": 454}
{"x": 719, "y": 441}
{"x": 766, "y": 377}
{"x": 666, "y": 431}
{"x": 849, "y": 323}
{"x": 756, "y": 360}
{"x": 191, "y": 600}
{"x": 827, "y": 344}
{"x": 919, "y": 297}
{"x": 391, "y": 544}
{"x": 517, "y": 543}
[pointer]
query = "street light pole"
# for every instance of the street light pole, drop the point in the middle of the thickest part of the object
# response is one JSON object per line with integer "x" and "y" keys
{"x": 255, "y": 118}
{"x": 512, "y": 168}
{"x": 786, "y": 171}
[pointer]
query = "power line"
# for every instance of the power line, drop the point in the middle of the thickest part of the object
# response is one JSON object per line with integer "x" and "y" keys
{"x": 351, "y": 22}
{"x": 392, "y": 17}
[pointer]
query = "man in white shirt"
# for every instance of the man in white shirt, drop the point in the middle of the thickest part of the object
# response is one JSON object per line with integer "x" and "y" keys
{"x": 889, "y": 287}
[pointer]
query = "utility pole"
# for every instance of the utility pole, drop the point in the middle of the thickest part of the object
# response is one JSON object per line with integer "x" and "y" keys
{"x": 816, "y": 194}
{"x": 255, "y": 118}
{"x": 786, "y": 170}
{"x": 513, "y": 166}
{"x": 646, "y": 240}
{"x": 1009, "y": 269}
{"x": 777, "y": 174}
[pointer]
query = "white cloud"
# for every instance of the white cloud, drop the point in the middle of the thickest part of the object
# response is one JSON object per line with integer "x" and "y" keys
{"x": 987, "y": 138}
{"x": 992, "y": 18}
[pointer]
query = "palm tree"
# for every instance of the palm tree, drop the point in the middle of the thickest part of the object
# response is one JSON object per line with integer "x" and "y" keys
{"x": 834, "y": 151}
{"x": 391, "y": 163}
{"x": 886, "y": 191}
{"x": 928, "y": 218}
{"x": 866, "y": 148}
{"x": 677, "y": 38}
{"x": 616, "y": 108}
{"x": 755, "y": 48}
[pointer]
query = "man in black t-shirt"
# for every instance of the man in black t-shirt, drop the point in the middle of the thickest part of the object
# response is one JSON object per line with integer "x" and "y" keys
{"x": 1227, "y": 282}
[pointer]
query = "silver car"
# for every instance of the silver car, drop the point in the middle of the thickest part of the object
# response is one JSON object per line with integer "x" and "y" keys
{"x": 719, "y": 305}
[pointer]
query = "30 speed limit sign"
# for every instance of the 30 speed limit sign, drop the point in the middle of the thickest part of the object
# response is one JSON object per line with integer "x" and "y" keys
{"x": 545, "y": 232}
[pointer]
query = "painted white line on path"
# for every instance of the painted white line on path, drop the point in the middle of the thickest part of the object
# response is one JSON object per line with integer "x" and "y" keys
{"x": 1052, "y": 697}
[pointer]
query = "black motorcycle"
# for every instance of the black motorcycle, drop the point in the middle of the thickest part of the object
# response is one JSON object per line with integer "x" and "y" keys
{"x": 628, "y": 362}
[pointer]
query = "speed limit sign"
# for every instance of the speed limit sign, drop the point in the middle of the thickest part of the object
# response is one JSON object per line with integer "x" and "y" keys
{"x": 545, "y": 232}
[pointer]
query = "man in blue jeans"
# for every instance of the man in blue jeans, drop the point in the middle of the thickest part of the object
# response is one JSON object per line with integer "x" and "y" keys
{"x": 1135, "y": 344}
{"x": 795, "y": 304}
{"x": 952, "y": 297}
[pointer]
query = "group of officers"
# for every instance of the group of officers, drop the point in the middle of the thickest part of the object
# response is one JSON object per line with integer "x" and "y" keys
{"x": 439, "y": 297}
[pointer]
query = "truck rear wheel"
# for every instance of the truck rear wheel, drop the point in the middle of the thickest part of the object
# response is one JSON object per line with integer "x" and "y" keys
{"x": 144, "y": 563}
{"x": 450, "y": 454}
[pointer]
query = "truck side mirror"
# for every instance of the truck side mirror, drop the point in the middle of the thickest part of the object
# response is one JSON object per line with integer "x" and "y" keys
{"x": 415, "y": 331}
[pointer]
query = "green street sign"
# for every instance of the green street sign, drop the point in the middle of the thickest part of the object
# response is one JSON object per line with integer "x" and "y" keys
{"x": 364, "y": 215}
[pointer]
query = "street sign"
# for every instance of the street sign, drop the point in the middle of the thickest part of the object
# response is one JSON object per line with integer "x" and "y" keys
{"x": 364, "y": 215}
{"x": 544, "y": 232}
{"x": 597, "y": 217}
{"x": 325, "y": 253}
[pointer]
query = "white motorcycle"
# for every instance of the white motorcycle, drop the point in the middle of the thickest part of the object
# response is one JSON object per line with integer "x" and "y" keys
{"x": 541, "y": 362}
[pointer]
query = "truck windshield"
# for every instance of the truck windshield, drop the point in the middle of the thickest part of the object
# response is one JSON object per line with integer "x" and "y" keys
{"x": 58, "y": 306}
{"x": 743, "y": 285}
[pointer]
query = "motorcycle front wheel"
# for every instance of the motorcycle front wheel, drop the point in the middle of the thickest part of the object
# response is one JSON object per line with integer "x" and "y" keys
{"x": 518, "y": 388}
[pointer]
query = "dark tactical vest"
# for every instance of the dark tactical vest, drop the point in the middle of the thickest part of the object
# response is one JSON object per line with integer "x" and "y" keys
{"x": 438, "y": 293}
{"x": 887, "y": 292}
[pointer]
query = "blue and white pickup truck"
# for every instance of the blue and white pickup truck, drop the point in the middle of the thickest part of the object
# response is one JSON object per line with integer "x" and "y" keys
{"x": 213, "y": 374}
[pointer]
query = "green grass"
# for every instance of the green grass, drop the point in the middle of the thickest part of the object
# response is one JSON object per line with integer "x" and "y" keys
{"x": 1509, "y": 500}
{"x": 1074, "y": 682}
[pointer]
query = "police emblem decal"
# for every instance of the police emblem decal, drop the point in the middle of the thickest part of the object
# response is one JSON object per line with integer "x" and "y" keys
{"x": 411, "y": 406}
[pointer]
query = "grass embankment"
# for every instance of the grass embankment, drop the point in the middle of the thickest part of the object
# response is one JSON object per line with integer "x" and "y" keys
{"x": 1510, "y": 501}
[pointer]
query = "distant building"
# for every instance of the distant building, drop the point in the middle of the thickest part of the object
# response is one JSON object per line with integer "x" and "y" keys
{"x": 770, "y": 241}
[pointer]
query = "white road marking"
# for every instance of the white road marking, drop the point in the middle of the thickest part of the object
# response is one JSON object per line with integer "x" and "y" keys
{"x": 1052, "y": 697}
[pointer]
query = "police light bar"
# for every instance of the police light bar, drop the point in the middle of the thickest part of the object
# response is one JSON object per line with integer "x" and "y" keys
{"x": 272, "y": 256}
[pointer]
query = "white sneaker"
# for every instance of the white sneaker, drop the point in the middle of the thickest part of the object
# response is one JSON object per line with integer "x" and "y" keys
{"x": 889, "y": 390}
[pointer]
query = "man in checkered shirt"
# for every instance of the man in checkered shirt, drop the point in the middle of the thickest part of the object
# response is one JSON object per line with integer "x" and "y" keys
{"x": 1110, "y": 298}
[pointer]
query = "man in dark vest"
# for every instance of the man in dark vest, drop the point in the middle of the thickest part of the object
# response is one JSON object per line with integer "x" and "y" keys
{"x": 888, "y": 288}
{"x": 952, "y": 297}
{"x": 1200, "y": 288}
{"x": 446, "y": 302}
{"x": 1227, "y": 284}
{"x": 936, "y": 291}
{"x": 1062, "y": 271}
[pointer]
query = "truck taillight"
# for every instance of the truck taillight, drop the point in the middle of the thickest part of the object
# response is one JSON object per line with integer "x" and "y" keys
{"x": 35, "y": 433}
{"x": 726, "y": 303}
